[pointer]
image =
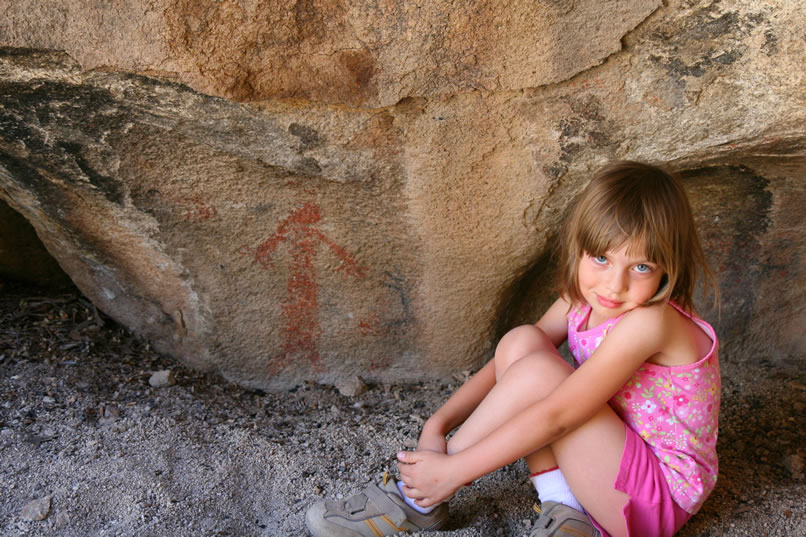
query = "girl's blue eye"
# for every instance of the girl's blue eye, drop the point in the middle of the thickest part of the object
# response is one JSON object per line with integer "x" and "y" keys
{"x": 600, "y": 259}
{"x": 643, "y": 268}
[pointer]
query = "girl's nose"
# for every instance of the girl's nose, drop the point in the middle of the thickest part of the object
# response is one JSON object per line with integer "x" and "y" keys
{"x": 617, "y": 281}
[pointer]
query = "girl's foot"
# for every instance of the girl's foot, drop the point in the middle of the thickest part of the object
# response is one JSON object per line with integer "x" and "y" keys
{"x": 376, "y": 511}
{"x": 558, "y": 520}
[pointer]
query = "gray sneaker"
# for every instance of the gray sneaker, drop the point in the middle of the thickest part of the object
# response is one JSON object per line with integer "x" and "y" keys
{"x": 376, "y": 511}
{"x": 558, "y": 520}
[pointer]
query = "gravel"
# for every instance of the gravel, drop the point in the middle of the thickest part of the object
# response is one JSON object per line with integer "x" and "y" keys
{"x": 95, "y": 440}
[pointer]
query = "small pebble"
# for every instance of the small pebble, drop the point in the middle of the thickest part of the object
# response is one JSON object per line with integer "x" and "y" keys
{"x": 61, "y": 519}
{"x": 351, "y": 387}
{"x": 162, "y": 379}
{"x": 794, "y": 463}
{"x": 110, "y": 415}
{"x": 36, "y": 510}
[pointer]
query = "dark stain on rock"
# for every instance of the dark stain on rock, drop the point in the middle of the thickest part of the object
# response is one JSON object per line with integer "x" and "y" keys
{"x": 307, "y": 136}
{"x": 308, "y": 166}
{"x": 56, "y": 125}
{"x": 555, "y": 170}
{"x": 396, "y": 282}
{"x": 733, "y": 206}
{"x": 585, "y": 127}
{"x": 38, "y": 58}
{"x": 51, "y": 201}
{"x": 111, "y": 188}
{"x": 770, "y": 45}
{"x": 719, "y": 40}
{"x": 727, "y": 58}
{"x": 707, "y": 27}
{"x": 679, "y": 68}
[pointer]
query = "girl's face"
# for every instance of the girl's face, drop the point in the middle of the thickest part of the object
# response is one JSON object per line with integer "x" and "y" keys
{"x": 615, "y": 283}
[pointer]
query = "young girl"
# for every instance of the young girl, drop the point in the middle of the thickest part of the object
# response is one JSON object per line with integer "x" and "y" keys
{"x": 623, "y": 444}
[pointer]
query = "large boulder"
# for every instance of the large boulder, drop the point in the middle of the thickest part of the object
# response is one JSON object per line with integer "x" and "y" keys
{"x": 395, "y": 223}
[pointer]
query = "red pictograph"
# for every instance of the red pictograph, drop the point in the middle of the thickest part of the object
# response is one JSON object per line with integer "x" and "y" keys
{"x": 300, "y": 309}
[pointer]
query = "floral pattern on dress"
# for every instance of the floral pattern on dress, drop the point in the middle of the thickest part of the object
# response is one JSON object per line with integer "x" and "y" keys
{"x": 675, "y": 409}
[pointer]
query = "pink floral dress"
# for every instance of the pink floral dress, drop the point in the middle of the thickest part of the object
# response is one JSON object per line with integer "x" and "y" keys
{"x": 675, "y": 409}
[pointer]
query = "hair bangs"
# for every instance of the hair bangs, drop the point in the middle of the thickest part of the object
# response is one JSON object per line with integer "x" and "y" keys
{"x": 616, "y": 228}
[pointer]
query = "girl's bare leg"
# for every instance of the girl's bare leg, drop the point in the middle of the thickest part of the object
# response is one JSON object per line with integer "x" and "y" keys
{"x": 528, "y": 368}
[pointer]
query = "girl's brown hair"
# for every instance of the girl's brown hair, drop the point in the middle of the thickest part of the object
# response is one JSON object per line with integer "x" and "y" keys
{"x": 646, "y": 207}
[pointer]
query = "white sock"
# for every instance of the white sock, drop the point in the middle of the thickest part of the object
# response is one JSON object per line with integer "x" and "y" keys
{"x": 552, "y": 487}
{"x": 410, "y": 501}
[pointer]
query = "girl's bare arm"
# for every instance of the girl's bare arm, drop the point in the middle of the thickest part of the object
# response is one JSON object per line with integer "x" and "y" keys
{"x": 462, "y": 403}
{"x": 555, "y": 322}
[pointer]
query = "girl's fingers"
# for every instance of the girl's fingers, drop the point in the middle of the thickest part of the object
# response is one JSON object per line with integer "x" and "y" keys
{"x": 404, "y": 475}
{"x": 411, "y": 492}
{"x": 415, "y": 494}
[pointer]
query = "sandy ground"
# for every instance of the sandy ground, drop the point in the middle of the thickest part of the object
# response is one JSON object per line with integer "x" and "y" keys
{"x": 89, "y": 448}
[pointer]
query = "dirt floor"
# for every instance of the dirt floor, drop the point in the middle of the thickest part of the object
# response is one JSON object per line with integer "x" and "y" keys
{"x": 89, "y": 448}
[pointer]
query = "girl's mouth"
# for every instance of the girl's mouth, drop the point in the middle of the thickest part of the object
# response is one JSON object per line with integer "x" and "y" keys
{"x": 607, "y": 303}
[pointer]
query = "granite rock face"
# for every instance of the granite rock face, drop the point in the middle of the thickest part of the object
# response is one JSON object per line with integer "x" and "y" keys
{"x": 329, "y": 191}
{"x": 370, "y": 53}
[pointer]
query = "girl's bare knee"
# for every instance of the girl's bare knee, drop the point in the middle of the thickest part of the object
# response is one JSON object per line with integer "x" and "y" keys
{"x": 517, "y": 343}
{"x": 540, "y": 369}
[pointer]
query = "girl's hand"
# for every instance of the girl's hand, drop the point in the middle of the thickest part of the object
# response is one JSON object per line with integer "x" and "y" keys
{"x": 427, "y": 476}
